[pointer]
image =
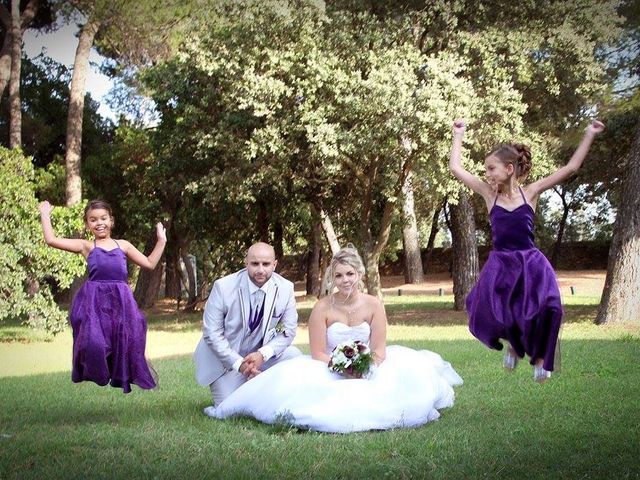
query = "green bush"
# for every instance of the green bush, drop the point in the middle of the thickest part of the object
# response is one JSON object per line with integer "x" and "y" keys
{"x": 29, "y": 269}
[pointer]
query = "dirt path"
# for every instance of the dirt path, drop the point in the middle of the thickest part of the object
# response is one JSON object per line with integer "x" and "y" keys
{"x": 584, "y": 282}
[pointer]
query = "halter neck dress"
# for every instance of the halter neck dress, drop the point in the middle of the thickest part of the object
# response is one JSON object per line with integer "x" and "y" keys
{"x": 109, "y": 330}
{"x": 517, "y": 296}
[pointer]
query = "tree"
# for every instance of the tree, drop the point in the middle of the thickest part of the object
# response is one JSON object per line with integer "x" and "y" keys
{"x": 281, "y": 94}
{"x": 620, "y": 302}
{"x": 121, "y": 172}
{"x": 573, "y": 202}
{"x": 413, "y": 272}
{"x": 549, "y": 63}
{"x": 465, "y": 249}
{"x": 36, "y": 14}
{"x": 15, "y": 109}
{"x": 45, "y": 100}
{"x": 106, "y": 19}
{"x": 30, "y": 271}
{"x": 76, "y": 112}
{"x": 275, "y": 104}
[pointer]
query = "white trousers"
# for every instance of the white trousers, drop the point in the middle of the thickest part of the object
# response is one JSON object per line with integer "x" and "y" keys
{"x": 231, "y": 381}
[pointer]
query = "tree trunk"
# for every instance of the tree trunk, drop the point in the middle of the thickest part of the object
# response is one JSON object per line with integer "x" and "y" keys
{"x": 15, "y": 110}
{"x": 325, "y": 261}
{"x": 557, "y": 246}
{"x": 278, "y": 238}
{"x": 374, "y": 283}
{"x": 203, "y": 283}
{"x": 172, "y": 269}
{"x": 262, "y": 223}
{"x": 5, "y": 62}
{"x": 465, "y": 257}
{"x": 620, "y": 301}
{"x": 192, "y": 299}
{"x": 313, "y": 260}
{"x": 432, "y": 237}
{"x": 373, "y": 248}
{"x": 410, "y": 237}
{"x": 148, "y": 284}
{"x": 26, "y": 17}
{"x": 332, "y": 239}
{"x": 76, "y": 111}
{"x": 329, "y": 232}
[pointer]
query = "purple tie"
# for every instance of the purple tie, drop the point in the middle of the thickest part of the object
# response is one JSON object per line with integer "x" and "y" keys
{"x": 257, "y": 310}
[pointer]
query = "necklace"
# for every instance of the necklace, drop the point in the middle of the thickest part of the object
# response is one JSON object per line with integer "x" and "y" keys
{"x": 511, "y": 193}
{"x": 349, "y": 309}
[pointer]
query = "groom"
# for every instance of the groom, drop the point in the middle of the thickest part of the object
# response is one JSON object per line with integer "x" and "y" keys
{"x": 250, "y": 320}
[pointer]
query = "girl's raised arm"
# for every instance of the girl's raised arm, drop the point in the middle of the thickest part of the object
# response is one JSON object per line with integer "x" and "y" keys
{"x": 560, "y": 175}
{"x": 152, "y": 260}
{"x": 455, "y": 164}
{"x": 74, "y": 245}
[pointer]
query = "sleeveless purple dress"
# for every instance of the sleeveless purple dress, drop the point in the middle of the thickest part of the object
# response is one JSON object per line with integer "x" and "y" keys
{"x": 517, "y": 296}
{"x": 109, "y": 331}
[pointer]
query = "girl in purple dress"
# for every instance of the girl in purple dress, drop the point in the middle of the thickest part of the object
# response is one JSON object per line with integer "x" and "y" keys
{"x": 109, "y": 331}
{"x": 517, "y": 297}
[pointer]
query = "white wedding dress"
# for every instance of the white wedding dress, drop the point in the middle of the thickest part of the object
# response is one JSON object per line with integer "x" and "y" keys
{"x": 406, "y": 390}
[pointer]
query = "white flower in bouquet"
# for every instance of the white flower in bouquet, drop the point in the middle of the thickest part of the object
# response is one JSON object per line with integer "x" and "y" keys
{"x": 352, "y": 359}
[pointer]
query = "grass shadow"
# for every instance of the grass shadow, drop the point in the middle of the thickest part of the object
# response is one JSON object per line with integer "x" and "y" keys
{"x": 407, "y": 310}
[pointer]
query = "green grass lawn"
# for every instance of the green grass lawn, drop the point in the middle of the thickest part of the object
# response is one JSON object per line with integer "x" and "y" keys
{"x": 583, "y": 423}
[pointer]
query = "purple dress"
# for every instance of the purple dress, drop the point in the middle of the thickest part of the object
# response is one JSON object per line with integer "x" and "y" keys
{"x": 109, "y": 331}
{"x": 517, "y": 296}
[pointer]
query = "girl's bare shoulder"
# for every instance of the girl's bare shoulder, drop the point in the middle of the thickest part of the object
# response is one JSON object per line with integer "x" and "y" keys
{"x": 123, "y": 244}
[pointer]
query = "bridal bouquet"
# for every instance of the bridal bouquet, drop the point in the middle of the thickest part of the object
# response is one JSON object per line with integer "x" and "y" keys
{"x": 352, "y": 359}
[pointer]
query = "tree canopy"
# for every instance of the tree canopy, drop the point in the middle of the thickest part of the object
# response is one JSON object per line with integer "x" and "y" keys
{"x": 270, "y": 115}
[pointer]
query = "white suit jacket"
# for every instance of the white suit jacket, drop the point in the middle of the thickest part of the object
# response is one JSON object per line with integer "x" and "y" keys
{"x": 226, "y": 316}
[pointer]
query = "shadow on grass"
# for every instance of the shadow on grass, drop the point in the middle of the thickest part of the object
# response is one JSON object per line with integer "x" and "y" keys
{"x": 175, "y": 322}
{"x": 417, "y": 311}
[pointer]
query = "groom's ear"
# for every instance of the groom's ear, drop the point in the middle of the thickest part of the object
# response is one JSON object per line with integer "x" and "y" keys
{"x": 275, "y": 263}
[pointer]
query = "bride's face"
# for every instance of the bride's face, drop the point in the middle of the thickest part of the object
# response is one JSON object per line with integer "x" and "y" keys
{"x": 345, "y": 278}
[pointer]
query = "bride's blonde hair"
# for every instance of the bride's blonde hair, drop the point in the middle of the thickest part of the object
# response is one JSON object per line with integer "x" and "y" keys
{"x": 345, "y": 256}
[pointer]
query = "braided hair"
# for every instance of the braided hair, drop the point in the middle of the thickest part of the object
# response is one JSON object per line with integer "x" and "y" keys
{"x": 516, "y": 154}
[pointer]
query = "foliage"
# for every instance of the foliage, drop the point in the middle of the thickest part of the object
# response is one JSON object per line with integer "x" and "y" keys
{"x": 30, "y": 271}
{"x": 49, "y": 182}
{"x": 269, "y": 107}
{"x": 120, "y": 173}
{"x": 304, "y": 110}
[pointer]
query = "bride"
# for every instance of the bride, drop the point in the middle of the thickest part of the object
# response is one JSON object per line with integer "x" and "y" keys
{"x": 405, "y": 389}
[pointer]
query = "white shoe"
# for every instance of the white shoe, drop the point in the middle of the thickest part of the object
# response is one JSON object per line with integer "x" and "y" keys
{"x": 210, "y": 411}
{"x": 540, "y": 375}
{"x": 510, "y": 360}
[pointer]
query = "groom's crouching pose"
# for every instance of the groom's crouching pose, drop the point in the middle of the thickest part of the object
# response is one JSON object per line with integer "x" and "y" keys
{"x": 250, "y": 320}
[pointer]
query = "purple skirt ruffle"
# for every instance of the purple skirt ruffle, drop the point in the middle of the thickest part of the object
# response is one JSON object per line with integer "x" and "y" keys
{"x": 517, "y": 299}
{"x": 109, "y": 337}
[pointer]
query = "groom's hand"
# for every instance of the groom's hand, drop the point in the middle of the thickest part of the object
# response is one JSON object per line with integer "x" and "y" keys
{"x": 251, "y": 364}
